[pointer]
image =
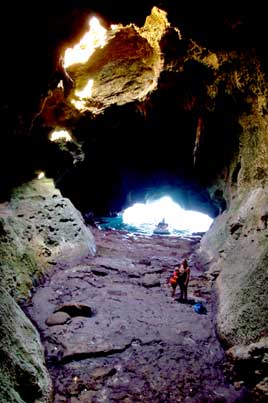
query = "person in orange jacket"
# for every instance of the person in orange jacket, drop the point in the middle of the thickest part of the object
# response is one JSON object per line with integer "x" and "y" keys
{"x": 173, "y": 281}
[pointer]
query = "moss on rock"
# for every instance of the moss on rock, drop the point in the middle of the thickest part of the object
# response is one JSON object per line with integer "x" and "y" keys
{"x": 23, "y": 376}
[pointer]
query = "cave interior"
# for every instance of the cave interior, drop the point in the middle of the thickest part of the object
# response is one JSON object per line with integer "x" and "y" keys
{"x": 176, "y": 139}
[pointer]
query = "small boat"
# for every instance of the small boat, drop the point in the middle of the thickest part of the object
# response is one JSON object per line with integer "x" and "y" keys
{"x": 161, "y": 228}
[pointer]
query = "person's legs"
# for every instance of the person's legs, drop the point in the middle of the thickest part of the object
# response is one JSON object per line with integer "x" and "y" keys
{"x": 181, "y": 290}
{"x": 185, "y": 293}
{"x": 173, "y": 290}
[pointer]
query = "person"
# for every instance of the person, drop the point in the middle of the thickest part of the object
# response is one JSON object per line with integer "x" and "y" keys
{"x": 183, "y": 279}
{"x": 173, "y": 281}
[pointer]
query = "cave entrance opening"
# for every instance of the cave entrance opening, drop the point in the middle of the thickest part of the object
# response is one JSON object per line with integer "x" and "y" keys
{"x": 94, "y": 38}
{"x": 161, "y": 217}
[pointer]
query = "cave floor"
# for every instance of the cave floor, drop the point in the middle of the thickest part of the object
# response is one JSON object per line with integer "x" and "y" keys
{"x": 118, "y": 336}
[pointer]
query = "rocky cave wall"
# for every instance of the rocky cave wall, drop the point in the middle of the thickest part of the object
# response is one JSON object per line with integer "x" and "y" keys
{"x": 210, "y": 106}
{"x": 237, "y": 248}
{"x": 39, "y": 229}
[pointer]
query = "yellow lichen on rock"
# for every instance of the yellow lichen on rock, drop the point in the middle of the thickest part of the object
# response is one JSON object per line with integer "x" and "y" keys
{"x": 155, "y": 26}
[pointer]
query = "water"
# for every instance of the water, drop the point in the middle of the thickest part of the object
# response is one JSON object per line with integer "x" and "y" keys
{"x": 116, "y": 223}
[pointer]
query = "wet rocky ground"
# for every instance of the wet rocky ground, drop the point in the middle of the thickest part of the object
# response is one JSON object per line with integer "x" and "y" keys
{"x": 113, "y": 334}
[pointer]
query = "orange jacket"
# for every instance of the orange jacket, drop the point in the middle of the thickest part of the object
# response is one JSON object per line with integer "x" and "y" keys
{"x": 174, "y": 278}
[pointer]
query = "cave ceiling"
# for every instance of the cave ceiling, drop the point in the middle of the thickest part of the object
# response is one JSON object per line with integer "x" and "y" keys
{"x": 164, "y": 108}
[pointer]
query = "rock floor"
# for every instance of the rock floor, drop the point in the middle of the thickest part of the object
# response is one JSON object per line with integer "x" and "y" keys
{"x": 113, "y": 334}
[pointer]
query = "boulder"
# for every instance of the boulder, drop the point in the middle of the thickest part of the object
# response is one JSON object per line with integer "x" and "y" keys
{"x": 23, "y": 375}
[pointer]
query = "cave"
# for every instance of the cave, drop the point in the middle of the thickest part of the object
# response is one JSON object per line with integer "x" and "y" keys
{"x": 174, "y": 101}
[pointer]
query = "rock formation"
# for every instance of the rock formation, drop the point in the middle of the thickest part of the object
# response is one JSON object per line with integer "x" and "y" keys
{"x": 179, "y": 103}
{"x": 39, "y": 228}
{"x": 24, "y": 377}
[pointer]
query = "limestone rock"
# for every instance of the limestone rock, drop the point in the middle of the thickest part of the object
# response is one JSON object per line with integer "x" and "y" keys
{"x": 151, "y": 280}
{"x": 242, "y": 352}
{"x": 241, "y": 259}
{"x": 23, "y": 376}
{"x": 261, "y": 390}
{"x": 58, "y": 318}
{"x": 241, "y": 284}
{"x": 256, "y": 355}
{"x": 126, "y": 69}
{"x": 40, "y": 228}
{"x": 50, "y": 223}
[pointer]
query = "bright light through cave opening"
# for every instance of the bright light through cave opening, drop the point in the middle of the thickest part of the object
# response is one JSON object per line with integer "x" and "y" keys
{"x": 60, "y": 135}
{"x": 93, "y": 39}
{"x": 165, "y": 209}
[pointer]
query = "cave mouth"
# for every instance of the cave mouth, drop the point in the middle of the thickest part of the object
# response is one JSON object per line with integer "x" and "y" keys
{"x": 161, "y": 216}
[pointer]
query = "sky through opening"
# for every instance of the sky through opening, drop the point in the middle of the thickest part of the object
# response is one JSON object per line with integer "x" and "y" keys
{"x": 178, "y": 219}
